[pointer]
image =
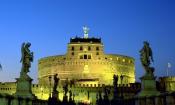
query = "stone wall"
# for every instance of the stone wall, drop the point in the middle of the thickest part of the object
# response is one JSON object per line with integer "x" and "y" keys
{"x": 168, "y": 83}
{"x": 102, "y": 68}
{"x": 85, "y": 59}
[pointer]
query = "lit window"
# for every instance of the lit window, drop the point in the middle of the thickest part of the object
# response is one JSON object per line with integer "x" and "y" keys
{"x": 89, "y": 56}
{"x": 129, "y": 61}
{"x": 117, "y": 58}
{"x": 81, "y": 56}
{"x": 123, "y": 60}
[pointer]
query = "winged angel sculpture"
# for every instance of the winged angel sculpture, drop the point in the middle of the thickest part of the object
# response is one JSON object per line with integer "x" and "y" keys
{"x": 26, "y": 58}
{"x": 146, "y": 57}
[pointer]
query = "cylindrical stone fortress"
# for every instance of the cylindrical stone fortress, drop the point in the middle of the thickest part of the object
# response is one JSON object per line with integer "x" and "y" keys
{"x": 86, "y": 63}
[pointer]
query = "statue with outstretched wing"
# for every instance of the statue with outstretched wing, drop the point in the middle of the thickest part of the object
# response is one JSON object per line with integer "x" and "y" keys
{"x": 26, "y": 57}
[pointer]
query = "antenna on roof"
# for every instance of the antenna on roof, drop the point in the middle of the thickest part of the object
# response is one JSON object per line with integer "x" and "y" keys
{"x": 85, "y": 30}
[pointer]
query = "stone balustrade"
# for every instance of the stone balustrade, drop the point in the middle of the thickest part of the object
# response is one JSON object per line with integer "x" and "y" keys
{"x": 6, "y": 99}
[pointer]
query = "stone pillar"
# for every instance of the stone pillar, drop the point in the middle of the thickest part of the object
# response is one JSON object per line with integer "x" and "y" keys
{"x": 15, "y": 101}
{"x": 170, "y": 100}
{"x": 24, "y": 88}
{"x": 3, "y": 101}
{"x": 158, "y": 100}
{"x": 24, "y": 93}
{"x": 136, "y": 101}
{"x": 150, "y": 101}
{"x": 148, "y": 86}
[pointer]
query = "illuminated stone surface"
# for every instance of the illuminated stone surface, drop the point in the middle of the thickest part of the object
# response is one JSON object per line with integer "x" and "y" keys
{"x": 85, "y": 59}
{"x": 169, "y": 83}
{"x": 92, "y": 69}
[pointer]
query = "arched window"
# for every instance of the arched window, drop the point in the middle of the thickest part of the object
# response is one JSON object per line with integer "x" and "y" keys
{"x": 72, "y": 48}
{"x": 72, "y": 53}
{"x": 89, "y": 48}
{"x": 97, "y": 48}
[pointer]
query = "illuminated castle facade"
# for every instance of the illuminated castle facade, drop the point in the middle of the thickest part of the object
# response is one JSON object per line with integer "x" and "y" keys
{"x": 87, "y": 64}
{"x": 88, "y": 71}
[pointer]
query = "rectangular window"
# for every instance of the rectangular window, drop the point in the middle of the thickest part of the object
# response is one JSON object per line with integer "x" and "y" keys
{"x": 97, "y": 48}
{"x": 81, "y": 48}
{"x": 89, "y": 48}
{"x": 72, "y": 53}
{"x": 81, "y": 56}
{"x": 85, "y": 56}
{"x": 89, "y": 56}
{"x": 72, "y": 48}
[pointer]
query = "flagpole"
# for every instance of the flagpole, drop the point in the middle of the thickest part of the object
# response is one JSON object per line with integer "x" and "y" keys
{"x": 0, "y": 67}
{"x": 168, "y": 68}
{"x": 167, "y": 72}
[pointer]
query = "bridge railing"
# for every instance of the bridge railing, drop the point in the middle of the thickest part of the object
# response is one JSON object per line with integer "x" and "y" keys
{"x": 163, "y": 99}
{"x": 6, "y": 99}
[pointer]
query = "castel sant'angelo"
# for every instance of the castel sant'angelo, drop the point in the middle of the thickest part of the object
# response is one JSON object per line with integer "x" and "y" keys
{"x": 87, "y": 71}
{"x": 86, "y": 63}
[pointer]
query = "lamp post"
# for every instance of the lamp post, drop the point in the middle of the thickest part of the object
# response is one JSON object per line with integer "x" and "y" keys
{"x": 50, "y": 86}
{"x": 121, "y": 77}
{"x": 41, "y": 92}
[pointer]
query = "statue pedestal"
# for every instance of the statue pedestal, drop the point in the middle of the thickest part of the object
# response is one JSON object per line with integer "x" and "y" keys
{"x": 24, "y": 87}
{"x": 65, "y": 99}
{"x": 148, "y": 86}
{"x": 54, "y": 99}
{"x": 55, "y": 94}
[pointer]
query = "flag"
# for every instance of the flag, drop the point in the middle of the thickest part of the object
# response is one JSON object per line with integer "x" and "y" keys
{"x": 169, "y": 65}
{"x": 0, "y": 67}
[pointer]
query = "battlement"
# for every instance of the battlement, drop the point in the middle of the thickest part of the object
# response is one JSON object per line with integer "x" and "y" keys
{"x": 85, "y": 40}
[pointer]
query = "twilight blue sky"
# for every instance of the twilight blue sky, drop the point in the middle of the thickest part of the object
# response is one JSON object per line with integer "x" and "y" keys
{"x": 122, "y": 24}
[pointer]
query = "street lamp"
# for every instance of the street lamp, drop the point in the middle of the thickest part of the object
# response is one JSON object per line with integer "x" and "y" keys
{"x": 121, "y": 77}
{"x": 50, "y": 86}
